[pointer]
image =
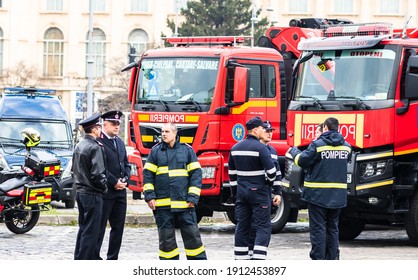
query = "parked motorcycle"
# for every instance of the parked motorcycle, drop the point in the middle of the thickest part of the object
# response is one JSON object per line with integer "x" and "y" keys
{"x": 25, "y": 193}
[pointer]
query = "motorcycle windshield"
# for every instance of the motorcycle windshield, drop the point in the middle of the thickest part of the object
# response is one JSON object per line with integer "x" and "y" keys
{"x": 361, "y": 74}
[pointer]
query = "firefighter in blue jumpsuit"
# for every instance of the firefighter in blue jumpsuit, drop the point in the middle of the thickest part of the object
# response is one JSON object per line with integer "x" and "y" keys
{"x": 249, "y": 165}
{"x": 172, "y": 185}
{"x": 276, "y": 185}
{"x": 325, "y": 187}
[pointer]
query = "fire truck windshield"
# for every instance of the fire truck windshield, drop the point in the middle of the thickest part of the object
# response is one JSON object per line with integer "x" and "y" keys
{"x": 177, "y": 80}
{"x": 363, "y": 74}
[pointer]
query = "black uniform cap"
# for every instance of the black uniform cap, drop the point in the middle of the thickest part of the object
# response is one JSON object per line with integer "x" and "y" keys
{"x": 91, "y": 121}
{"x": 267, "y": 125}
{"x": 253, "y": 123}
{"x": 112, "y": 116}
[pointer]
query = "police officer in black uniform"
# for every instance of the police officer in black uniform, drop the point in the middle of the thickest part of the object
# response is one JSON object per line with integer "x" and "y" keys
{"x": 249, "y": 166}
{"x": 89, "y": 174}
{"x": 118, "y": 173}
{"x": 172, "y": 184}
{"x": 325, "y": 187}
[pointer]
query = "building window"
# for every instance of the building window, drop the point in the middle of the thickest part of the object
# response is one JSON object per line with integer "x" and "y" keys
{"x": 54, "y": 5}
{"x": 1, "y": 50}
{"x": 98, "y": 5}
{"x": 139, "y": 6}
{"x": 389, "y": 7}
{"x": 98, "y": 52}
{"x": 137, "y": 44}
{"x": 343, "y": 6}
{"x": 53, "y": 52}
{"x": 1, "y": 3}
{"x": 298, "y": 6}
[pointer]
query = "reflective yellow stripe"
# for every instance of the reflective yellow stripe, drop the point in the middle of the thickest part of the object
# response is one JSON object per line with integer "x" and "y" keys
{"x": 186, "y": 139}
{"x": 325, "y": 185}
{"x": 148, "y": 187}
{"x": 194, "y": 252}
{"x": 162, "y": 170}
{"x": 192, "y": 166}
{"x": 151, "y": 167}
{"x": 162, "y": 202}
{"x": 374, "y": 185}
{"x": 194, "y": 190}
{"x": 297, "y": 159}
{"x": 169, "y": 255}
{"x": 147, "y": 138}
{"x": 178, "y": 173}
{"x": 179, "y": 204}
{"x": 332, "y": 148}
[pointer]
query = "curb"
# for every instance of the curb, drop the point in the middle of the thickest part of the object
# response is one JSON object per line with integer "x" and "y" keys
{"x": 73, "y": 219}
{"x": 131, "y": 219}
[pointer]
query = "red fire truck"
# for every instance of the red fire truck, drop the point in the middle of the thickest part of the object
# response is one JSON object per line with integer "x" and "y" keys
{"x": 210, "y": 87}
{"x": 367, "y": 77}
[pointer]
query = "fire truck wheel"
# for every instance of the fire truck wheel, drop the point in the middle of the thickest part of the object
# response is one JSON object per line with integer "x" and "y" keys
{"x": 231, "y": 216}
{"x": 411, "y": 220}
{"x": 350, "y": 228}
{"x": 280, "y": 215}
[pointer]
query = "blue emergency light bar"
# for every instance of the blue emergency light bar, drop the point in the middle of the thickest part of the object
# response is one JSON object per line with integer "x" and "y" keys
{"x": 28, "y": 91}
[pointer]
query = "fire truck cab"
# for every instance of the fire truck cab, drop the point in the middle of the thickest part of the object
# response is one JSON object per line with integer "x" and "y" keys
{"x": 367, "y": 77}
{"x": 209, "y": 87}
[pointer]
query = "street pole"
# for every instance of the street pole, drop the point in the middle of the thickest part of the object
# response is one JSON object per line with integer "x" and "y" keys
{"x": 253, "y": 18}
{"x": 176, "y": 33}
{"x": 90, "y": 62}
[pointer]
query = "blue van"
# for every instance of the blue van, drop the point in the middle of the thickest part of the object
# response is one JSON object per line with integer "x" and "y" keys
{"x": 39, "y": 109}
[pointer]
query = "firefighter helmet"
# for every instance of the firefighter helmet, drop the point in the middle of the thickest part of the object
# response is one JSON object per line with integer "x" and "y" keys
{"x": 31, "y": 137}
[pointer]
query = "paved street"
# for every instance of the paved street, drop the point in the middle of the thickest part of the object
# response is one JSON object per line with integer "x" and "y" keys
{"x": 56, "y": 242}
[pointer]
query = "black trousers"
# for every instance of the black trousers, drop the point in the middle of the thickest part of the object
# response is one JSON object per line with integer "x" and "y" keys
{"x": 114, "y": 211}
{"x": 323, "y": 231}
{"x": 252, "y": 212}
{"x": 187, "y": 222}
{"x": 89, "y": 217}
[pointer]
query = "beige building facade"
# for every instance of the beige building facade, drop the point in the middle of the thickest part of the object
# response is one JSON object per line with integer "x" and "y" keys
{"x": 45, "y": 41}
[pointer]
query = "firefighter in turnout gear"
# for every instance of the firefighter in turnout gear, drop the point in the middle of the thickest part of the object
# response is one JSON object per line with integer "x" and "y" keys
{"x": 325, "y": 187}
{"x": 172, "y": 184}
{"x": 250, "y": 164}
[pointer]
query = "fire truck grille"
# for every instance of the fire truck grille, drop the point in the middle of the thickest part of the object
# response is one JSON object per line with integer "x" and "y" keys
{"x": 151, "y": 135}
{"x": 287, "y": 168}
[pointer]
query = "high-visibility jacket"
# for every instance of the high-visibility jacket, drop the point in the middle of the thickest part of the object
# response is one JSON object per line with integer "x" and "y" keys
{"x": 325, "y": 162}
{"x": 172, "y": 176}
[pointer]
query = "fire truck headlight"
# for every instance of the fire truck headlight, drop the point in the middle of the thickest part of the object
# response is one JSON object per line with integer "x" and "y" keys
{"x": 208, "y": 172}
{"x": 373, "y": 168}
{"x": 134, "y": 169}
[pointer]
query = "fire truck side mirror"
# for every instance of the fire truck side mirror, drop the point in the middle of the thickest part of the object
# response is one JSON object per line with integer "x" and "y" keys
{"x": 411, "y": 81}
{"x": 241, "y": 85}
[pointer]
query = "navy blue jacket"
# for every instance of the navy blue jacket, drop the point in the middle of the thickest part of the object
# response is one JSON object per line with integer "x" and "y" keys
{"x": 325, "y": 161}
{"x": 116, "y": 164}
{"x": 250, "y": 164}
{"x": 172, "y": 176}
{"x": 277, "y": 183}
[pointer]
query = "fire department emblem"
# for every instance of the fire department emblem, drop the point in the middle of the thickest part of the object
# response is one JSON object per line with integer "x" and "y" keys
{"x": 238, "y": 132}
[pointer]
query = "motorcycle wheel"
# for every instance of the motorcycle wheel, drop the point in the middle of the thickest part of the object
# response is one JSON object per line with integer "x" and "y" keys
{"x": 20, "y": 222}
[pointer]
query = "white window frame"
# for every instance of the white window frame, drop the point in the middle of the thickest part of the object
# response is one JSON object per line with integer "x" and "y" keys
{"x": 98, "y": 52}
{"x": 298, "y": 6}
{"x": 389, "y": 7}
{"x": 53, "y": 53}
{"x": 343, "y": 6}
{"x": 139, "y": 40}
{"x": 98, "y": 5}
{"x": 140, "y": 6}
{"x": 54, "y": 5}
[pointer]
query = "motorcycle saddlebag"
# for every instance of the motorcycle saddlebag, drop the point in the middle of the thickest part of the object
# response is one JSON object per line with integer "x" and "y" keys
{"x": 37, "y": 193}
